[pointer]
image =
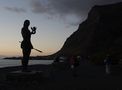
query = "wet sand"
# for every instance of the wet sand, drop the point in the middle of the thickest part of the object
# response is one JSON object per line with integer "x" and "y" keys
{"x": 88, "y": 77}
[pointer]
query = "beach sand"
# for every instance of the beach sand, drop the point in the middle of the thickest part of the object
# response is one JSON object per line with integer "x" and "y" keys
{"x": 88, "y": 77}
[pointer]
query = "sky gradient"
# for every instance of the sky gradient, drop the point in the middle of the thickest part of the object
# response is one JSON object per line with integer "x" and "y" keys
{"x": 55, "y": 20}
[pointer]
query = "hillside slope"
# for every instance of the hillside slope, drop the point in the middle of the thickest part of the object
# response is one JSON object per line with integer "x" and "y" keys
{"x": 98, "y": 35}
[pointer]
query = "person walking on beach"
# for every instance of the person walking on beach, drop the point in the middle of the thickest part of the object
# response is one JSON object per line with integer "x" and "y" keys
{"x": 107, "y": 62}
{"x": 74, "y": 63}
{"x": 26, "y": 44}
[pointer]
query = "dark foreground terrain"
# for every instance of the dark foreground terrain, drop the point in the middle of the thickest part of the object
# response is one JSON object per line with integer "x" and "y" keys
{"x": 59, "y": 77}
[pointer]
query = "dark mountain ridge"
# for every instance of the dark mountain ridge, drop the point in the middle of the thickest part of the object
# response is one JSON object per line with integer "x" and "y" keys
{"x": 100, "y": 34}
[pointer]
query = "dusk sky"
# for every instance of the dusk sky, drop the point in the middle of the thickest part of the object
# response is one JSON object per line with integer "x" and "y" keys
{"x": 55, "y": 20}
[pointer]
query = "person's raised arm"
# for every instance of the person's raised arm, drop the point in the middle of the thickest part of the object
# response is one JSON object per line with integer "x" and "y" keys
{"x": 33, "y": 30}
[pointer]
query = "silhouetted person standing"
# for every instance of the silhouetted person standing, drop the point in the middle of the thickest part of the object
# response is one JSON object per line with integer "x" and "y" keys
{"x": 26, "y": 44}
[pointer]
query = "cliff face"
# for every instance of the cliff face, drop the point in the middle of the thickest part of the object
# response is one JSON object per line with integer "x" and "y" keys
{"x": 98, "y": 35}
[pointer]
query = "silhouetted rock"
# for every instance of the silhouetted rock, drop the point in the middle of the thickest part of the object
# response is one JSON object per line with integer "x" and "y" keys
{"x": 98, "y": 35}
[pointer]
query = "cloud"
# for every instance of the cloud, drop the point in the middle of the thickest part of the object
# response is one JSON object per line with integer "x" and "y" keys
{"x": 57, "y": 7}
{"x": 79, "y": 8}
{"x": 38, "y": 6}
{"x": 15, "y": 9}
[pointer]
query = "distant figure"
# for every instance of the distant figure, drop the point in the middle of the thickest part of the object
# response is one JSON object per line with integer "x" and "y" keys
{"x": 57, "y": 59}
{"x": 74, "y": 63}
{"x": 71, "y": 61}
{"x": 26, "y": 43}
{"x": 77, "y": 61}
{"x": 107, "y": 62}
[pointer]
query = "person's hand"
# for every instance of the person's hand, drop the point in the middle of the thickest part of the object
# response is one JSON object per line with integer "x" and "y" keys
{"x": 33, "y": 28}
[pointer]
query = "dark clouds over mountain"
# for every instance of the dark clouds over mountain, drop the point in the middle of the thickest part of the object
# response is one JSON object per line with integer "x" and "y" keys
{"x": 66, "y": 7}
{"x": 62, "y": 7}
{"x": 73, "y": 11}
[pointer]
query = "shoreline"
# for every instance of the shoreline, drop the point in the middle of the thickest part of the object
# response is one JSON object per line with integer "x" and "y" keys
{"x": 49, "y": 57}
{"x": 20, "y": 59}
{"x": 14, "y": 63}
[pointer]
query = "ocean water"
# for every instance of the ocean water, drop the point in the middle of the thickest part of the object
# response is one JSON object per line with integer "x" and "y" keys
{"x": 9, "y": 63}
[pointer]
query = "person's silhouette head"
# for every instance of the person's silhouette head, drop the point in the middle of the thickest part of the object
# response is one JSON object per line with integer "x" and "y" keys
{"x": 26, "y": 23}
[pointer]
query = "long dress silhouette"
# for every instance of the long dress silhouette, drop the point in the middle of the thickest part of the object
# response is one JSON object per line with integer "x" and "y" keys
{"x": 26, "y": 44}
